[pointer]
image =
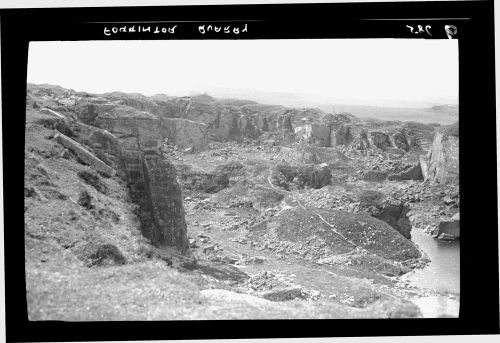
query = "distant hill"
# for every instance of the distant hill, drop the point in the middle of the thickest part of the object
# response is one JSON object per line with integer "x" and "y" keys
{"x": 444, "y": 116}
{"x": 433, "y": 111}
{"x": 446, "y": 109}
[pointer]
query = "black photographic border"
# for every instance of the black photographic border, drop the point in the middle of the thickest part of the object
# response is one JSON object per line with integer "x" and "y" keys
{"x": 479, "y": 308}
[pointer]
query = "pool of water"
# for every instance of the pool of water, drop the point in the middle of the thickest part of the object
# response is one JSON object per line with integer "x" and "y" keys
{"x": 442, "y": 275}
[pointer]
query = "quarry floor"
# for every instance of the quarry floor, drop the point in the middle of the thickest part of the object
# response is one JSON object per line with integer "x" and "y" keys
{"x": 349, "y": 285}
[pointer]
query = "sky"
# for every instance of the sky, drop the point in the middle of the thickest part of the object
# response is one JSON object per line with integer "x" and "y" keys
{"x": 349, "y": 71}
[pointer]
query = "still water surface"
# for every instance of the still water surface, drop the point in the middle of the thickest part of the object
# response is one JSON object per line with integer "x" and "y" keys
{"x": 442, "y": 275}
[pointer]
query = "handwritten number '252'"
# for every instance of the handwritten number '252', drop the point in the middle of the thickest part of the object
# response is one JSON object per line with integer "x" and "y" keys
{"x": 420, "y": 29}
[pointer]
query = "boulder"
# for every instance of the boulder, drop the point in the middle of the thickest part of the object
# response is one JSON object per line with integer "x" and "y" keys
{"x": 450, "y": 227}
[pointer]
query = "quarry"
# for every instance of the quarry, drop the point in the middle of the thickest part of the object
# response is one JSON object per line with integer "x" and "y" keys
{"x": 183, "y": 208}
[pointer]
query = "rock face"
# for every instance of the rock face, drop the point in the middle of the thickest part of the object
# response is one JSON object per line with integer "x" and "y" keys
{"x": 314, "y": 134}
{"x": 442, "y": 163}
{"x": 164, "y": 193}
{"x": 287, "y": 176}
{"x": 204, "y": 181}
{"x": 132, "y": 149}
{"x": 380, "y": 140}
{"x": 127, "y": 122}
{"x": 340, "y": 135}
{"x": 325, "y": 135}
{"x": 185, "y": 133}
{"x": 85, "y": 155}
{"x": 393, "y": 212}
{"x": 411, "y": 173}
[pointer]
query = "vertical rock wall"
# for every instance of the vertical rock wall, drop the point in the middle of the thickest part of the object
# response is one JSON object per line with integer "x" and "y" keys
{"x": 151, "y": 179}
{"x": 442, "y": 162}
{"x": 165, "y": 201}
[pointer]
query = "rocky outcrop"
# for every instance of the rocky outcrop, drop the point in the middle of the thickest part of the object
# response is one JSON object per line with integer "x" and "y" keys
{"x": 165, "y": 202}
{"x": 232, "y": 120}
{"x": 442, "y": 162}
{"x": 338, "y": 233}
{"x": 84, "y": 155}
{"x": 132, "y": 150}
{"x": 393, "y": 212}
{"x": 379, "y": 139}
{"x": 394, "y": 141}
{"x": 288, "y": 176}
{"x": 127, "y": 122}
{"x": 363, "y": 142}
{"x": 314, "y": 133}
{"x": 411, "y": 173}
{"x": 324, "y": 134}
{"x": 185, "y": 133}
{"x": 204, "y": 181}
{"x": 340, "y": 135}
{"x": 400, "y": 141}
